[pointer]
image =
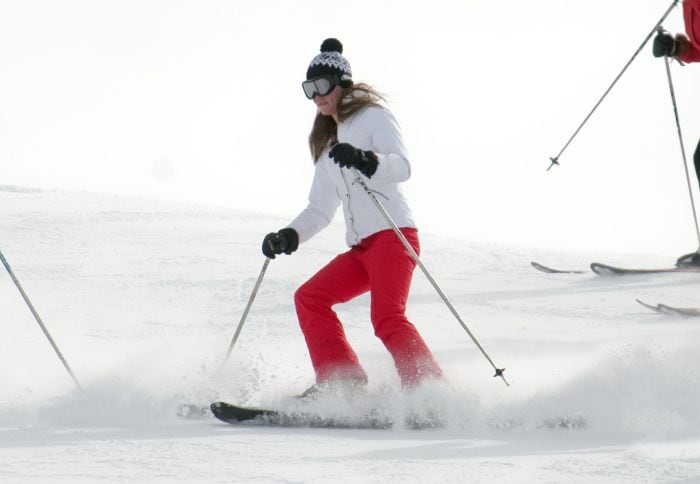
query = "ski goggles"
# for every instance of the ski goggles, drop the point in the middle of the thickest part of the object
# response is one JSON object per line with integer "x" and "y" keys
{"x": 320, "y": 86}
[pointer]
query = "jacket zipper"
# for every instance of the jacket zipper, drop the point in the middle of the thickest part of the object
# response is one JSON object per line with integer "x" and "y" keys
{"x": 352, "y": 218}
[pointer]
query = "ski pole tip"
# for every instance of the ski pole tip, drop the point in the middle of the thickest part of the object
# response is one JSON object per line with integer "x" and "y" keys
{"x": 499, "y": 373}
{"x": 554, "y": 161}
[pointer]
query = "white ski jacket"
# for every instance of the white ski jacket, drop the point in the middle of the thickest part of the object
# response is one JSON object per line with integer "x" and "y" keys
{"x": 373, "y": 128}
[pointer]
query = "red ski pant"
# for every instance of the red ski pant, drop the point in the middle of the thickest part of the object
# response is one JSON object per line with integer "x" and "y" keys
{"x": 379, "y": 264}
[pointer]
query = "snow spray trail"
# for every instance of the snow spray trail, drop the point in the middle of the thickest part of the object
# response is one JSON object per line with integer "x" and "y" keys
{"x": 635, "y": 391}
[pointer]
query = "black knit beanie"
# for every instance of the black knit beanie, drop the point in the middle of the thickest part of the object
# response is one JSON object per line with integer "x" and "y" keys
{"x": 331, "y": 61}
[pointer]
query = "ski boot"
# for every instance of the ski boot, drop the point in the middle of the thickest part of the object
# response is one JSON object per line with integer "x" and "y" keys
{"x": 688, "y": 260}
{"x": 346, "y": 388}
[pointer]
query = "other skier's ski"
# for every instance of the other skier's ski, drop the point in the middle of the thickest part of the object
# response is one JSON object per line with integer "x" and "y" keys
{"x": 608, "y": 270}
{"x": 649, "y": 306}
{"x": 549, "y": 270}
{"x": 672, "y": 310}
{"x": 233, "y": 414}
{"x": 675, "y": 311}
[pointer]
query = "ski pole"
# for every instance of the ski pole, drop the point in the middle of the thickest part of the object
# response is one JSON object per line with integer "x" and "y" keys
{"x": 38, "y": 320}
{"x": 680, "y": 139}
{"x": 414, "y": 256}
{"x": 555, "y": 160}
{"x": 247, "y": 309}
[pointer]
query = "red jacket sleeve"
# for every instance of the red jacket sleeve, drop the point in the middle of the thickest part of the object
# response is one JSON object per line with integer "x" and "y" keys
{"x": 691, "y": 15}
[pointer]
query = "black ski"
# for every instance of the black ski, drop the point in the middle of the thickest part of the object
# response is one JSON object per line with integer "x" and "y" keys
{"x": 608, "y": 270}
{"x": 236, "y": 415}
{"x": 249, "y": 416}
{"x": 672, "y": 310}
{"x": 549, "y": 270}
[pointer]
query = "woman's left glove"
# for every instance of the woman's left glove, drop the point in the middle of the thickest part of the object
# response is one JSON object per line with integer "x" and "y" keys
{"x": 346, "y": 155}
{"x": 664, "y": 45}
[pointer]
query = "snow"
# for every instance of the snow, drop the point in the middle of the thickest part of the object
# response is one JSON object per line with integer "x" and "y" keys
{"x": 143, "y": 297}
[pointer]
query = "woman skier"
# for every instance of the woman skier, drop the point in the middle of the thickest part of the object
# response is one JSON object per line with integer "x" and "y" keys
{"x": 354, "y": 133}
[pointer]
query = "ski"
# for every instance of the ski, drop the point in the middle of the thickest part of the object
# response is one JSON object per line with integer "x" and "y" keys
{"x": 236, "y": 415}
{"x": 608, "y": 270}
{"x": 263, "y": 417}
{"x": 549, "y": 270}
{"x": 671, "y": 310}
{"x": 675, "y": 311}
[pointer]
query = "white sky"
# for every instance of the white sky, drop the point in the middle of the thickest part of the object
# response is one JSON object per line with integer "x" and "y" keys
{"x": 201, "y": 101}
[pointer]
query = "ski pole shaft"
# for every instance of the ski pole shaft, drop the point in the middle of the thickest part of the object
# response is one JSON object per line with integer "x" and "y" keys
{"x": 680, "y": 139}
{"x": 38, "y": 320}
{"x": 555, "y": 160}
{"x": 247, "y": 309}
{"x": 416, "y": 258}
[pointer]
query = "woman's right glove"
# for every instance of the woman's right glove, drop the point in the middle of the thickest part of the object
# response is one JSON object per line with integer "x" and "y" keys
{"x": 285, "y": 241}
{"x": 347, "y": 156}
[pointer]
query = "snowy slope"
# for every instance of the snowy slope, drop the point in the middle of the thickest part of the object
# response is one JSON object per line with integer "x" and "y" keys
{"x": 143, "y": 297}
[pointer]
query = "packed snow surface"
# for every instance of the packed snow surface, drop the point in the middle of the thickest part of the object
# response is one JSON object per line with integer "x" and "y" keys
{"x": 142, "y": 298}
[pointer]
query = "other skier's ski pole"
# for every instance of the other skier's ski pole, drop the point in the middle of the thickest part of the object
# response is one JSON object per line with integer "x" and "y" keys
{"x": 680, "y": 139}
{"x": 38, "y": 320}
{"x": 555, "y": 160}
{"x": 414, "y": 255}
{"x": 247, "y": 309}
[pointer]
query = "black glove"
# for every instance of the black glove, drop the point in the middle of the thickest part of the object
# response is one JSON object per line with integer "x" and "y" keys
{"x": 664, "y": 44}
{"x": 346, "y": 155}
{"x": 285, "y": 241}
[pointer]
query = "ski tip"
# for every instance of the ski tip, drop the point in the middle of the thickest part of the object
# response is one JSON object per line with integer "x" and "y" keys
{"x": 647, "y": 305}
{"x": 539, "y": 266}
{"x": 544, "y": 268}
{"x": 604, "y": 269}
{"x": 549, "y": 270}
{"x": 217, "y": 408}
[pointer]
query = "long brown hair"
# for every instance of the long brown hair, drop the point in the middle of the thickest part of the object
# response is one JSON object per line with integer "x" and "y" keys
{"x": 325, "y": 129}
